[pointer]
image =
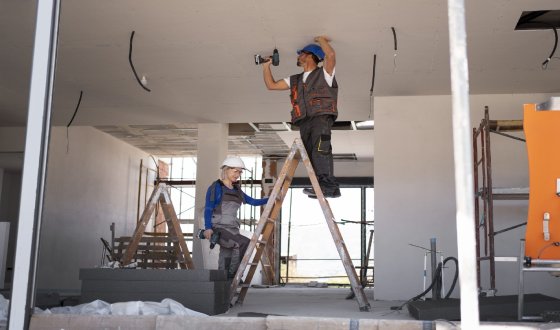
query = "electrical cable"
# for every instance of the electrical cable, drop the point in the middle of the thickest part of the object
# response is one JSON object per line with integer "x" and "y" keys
{"x": 509, "y": 228}
{"x": 545, "y": 63}
{"x": 436, "y": 281}
{"x": 394, "y": 38}
{"x": 546, "y": 247}
{"x": 71, "y": 120}
{"x": 395, "y": 49}
{"x": 157, "y": 168}
{"x": 372, "y": 85}
{"x": 132, "y": 65}
{"x": 373, "y": 75}
{"x": 507, "y": 135}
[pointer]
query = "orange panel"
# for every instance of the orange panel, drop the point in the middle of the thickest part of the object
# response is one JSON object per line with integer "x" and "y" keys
{"x": 542, "y": 132}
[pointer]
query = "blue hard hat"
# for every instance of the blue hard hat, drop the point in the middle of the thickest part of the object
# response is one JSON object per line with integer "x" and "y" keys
{"x": 313, "y": 49}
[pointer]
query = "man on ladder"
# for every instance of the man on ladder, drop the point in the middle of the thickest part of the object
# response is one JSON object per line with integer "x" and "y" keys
{"x": 314, "y": 94}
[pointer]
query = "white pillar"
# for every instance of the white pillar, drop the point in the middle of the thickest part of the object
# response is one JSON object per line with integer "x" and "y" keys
{"x": 34, "y": 164}
{"x": 462, "y": 151}
{"x": 212, "y": 150}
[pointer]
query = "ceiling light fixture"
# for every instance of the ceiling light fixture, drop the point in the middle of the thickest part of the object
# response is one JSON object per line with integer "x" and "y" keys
{"x": 366, "y": 124}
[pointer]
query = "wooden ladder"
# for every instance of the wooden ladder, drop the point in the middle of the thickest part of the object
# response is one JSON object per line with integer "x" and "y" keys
{"x": 161, "y": 195}
{"x": 269, "y": 217}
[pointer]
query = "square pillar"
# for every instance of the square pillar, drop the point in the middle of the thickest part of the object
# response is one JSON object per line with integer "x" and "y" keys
{"x": 212, "y": 150}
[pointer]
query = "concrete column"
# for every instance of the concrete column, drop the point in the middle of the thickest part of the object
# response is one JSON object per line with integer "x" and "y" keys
{"x": 212, "y": 150}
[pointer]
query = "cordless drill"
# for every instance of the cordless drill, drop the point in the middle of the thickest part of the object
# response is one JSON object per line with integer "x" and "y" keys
{"x": 275, "y": 58}
{"x": 214, "y": 239}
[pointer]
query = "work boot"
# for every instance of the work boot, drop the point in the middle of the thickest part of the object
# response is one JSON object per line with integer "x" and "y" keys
{"x": 329, "y": 193}
{"x": 335, "y": 193}
{"x": 309, "y": 192}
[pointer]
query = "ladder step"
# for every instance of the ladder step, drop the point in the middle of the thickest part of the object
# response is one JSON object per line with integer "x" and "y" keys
{"x": 270, "y": 220}
{"x": 244, "y": 285}
{"x": 260, "y": 241}
{"x": 253, "y": 263}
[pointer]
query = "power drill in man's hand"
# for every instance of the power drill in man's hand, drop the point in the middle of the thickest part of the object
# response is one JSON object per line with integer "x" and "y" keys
{"x": 275, "y": 58}
{"x": 214, "y": 239}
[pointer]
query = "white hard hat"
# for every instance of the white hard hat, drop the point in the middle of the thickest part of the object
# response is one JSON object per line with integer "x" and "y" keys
{"x": 233, "y": 161}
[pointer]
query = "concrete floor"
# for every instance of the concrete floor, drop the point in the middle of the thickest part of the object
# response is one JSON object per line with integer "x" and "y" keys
{"x": 313, "y": 302}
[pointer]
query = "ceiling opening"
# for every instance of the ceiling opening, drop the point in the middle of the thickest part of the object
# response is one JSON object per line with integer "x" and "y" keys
{"x": 538, "y": 20}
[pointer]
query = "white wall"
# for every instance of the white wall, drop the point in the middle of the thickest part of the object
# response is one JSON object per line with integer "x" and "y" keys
{"x": 88, "y": 188}
{"x": 414, "y": 190}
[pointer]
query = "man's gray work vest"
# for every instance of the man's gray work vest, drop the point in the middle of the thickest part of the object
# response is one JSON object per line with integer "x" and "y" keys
{"x": 314, "y": 97}
{"x": 225, "y": 214}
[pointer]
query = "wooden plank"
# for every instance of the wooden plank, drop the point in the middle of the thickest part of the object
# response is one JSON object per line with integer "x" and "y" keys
{"x": 126, "y": 239}
{"x": 168, "y": 248}
{"x": 506, "y": 125}
{"x": 156, "y": 255}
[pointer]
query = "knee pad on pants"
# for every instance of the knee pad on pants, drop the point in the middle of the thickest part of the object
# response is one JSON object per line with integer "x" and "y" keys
{"x": 324, "y": 145}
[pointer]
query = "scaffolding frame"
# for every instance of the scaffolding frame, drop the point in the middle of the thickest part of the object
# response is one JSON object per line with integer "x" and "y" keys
{"x": 485, "y": 194}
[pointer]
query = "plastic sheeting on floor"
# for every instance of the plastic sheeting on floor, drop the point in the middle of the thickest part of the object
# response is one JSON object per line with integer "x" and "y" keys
{"x": 99, "y": 307}
{"x": 4, "y": 304}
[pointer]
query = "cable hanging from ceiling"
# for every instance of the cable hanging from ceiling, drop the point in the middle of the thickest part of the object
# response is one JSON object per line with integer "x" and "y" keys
{"x": 142, "y": 82}
{"x": 372, "y": 85}
{"x": 71, "y": 120}
{"x": 551, "y": 56}
{"x": 395, "y": 48}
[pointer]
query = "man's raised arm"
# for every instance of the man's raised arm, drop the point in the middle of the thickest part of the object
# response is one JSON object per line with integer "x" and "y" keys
{"x": 330, "y": 56}
{"x": 269, "y": 81}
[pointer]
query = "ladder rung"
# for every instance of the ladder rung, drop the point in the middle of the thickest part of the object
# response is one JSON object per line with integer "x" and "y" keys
{"x": 261, "y": 241}
{"x": 253, "y": 263}
{"x": 270, "y": 220}
{"x": 244, "y": 285}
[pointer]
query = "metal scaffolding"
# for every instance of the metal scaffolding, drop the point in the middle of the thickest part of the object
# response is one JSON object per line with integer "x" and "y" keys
{"x": 485, "y": 194}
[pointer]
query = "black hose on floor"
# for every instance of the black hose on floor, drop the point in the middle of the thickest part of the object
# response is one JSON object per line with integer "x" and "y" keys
{"x": 436, "y": 281}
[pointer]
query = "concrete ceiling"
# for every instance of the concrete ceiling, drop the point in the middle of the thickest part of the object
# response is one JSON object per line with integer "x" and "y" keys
{"x": 198, "y": 56}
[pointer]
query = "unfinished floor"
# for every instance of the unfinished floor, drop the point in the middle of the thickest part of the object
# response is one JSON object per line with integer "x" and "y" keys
{"x": 290, "y": 307}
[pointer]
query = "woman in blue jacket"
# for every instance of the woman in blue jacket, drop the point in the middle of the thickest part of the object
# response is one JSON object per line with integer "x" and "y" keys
{"x": 223, "y": 200}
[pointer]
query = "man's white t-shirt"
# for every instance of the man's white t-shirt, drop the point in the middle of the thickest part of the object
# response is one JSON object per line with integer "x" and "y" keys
{"x": 329, "y": 78}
